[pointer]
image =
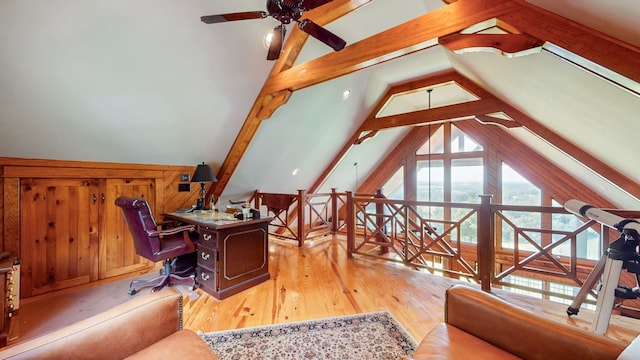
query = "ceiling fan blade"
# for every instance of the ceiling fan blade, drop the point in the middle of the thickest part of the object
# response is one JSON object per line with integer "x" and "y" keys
{"x": 213, "y": 19}
{"x": 322, "y": 34}
{"x": 275, "y": 47}
{"x": 312, "y": 4}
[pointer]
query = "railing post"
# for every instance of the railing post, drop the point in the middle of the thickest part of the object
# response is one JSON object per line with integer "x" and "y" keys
{"x": 485, "y": 243}
{"x": 380, "y": 238}
{"x": 351, "y": 225}
{"x": 334, "y": 211}
{"x": 302, "y": 202}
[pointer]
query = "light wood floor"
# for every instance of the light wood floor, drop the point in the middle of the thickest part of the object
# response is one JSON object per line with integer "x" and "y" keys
{"x": 311, "y": 282}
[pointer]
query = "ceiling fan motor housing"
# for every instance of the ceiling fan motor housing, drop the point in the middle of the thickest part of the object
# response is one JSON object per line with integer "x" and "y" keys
{"x": 285, "y": 10}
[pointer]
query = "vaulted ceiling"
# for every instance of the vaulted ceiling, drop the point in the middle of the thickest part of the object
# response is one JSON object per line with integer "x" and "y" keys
{"x": 147, "y": 82}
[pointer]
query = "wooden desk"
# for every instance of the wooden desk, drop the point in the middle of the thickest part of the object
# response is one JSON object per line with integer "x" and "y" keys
{"x": 232, "y": 254}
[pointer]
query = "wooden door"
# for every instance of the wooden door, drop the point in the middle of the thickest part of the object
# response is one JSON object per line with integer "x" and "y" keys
{"x": 59, "y": 233}
{"x": 117, "y": 253}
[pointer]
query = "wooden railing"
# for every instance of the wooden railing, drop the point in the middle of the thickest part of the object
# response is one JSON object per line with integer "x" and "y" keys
{"x": 402, "y": 231}
{"x": 483, "y": 242}
{"x": 316, "y": 212}
{"x": 395, "y": 230}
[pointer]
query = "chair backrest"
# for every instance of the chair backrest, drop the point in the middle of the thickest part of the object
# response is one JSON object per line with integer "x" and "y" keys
{"x": 141, "y": 224}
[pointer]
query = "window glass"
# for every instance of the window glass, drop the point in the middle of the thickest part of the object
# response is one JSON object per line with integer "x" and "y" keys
{"x": 430, "y": 187}
{"x": 394, "y": 187}
{"x": 436, "y": 143}
{"x": 461, "y": 142}
{"x": 516, "y": 190}
{"x": 467, "y": 180}
{"x": 587, "y": 242}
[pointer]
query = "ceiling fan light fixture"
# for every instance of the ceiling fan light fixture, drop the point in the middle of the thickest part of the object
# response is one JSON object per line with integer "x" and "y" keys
{"x": 267, "y": 39}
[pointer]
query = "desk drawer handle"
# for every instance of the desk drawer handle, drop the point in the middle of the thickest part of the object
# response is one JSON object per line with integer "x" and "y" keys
{"x": 204, "y": 276}
{"x": 205, "y": 256}
{"x": 206, "y": 237}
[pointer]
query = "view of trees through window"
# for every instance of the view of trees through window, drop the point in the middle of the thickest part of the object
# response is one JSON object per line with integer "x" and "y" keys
{"x": 449, "y": 167}
{"x": 516, "y": 190}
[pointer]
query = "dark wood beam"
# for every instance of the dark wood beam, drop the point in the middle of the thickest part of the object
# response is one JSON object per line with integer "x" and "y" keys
{"x": 566, "y": 146}
{"x": 267, "y": 101}
{"x": 506, "y": 43}
{"x": 413, "y": 36}
{"x": 569, "y": 148}
{"x": 394, "y": 159}
{"x": 390, "y": 44}
{"x": 602, "y": 49}
{"x": 490, "y": 120}
{"x": 439, "y": 114}
{"x": 530, "y": 164}
{"x": 426, "y": 81}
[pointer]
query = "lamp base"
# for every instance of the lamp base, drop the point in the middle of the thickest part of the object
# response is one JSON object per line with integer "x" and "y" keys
{"x": 200, "y": 205}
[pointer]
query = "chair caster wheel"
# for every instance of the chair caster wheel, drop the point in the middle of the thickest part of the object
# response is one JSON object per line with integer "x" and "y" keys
{"x": 132, "y": 291}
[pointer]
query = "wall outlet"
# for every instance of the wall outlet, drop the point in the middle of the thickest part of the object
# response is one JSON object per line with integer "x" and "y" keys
{"x": 184, "y": 187}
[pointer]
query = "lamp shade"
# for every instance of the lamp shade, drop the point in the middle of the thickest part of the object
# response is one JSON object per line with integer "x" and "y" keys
{"x": 203, "y": 174}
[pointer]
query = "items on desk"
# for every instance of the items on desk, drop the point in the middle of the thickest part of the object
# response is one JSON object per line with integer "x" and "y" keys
{"x": 242, "y": 211}
{"x": 248, "y": 214}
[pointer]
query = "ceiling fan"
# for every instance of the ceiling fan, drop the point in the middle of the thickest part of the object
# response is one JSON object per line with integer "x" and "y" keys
{"x": 284, "y": 11}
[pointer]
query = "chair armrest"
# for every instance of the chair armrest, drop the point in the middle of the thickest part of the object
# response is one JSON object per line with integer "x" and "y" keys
{"x": 522, "y": 332}
{"x": 171, "y": 231}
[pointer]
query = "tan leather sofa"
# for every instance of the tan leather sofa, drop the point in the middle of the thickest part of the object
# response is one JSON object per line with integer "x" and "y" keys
{"x": 149, "y": 326}
{"x": 479, "y": 325}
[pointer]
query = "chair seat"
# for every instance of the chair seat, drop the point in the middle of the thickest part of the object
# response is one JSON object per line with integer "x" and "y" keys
{"x": 172, "y": 247}
{"x": 157, "y": 245}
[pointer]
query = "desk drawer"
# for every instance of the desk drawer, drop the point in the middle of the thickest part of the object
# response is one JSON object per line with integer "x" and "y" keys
{"x": 207, "y": 257}
{"x": 206, "y": 278}
{"x": 209, "y": 238}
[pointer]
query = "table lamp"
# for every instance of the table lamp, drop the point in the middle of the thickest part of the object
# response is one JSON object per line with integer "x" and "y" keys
{"x": 203, "y": 174}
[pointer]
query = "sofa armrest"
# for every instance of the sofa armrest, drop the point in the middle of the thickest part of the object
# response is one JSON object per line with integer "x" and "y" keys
{"x": 631, "y": 352}
{"x": 113, "y": 334}
{"x": 521, "y": 332}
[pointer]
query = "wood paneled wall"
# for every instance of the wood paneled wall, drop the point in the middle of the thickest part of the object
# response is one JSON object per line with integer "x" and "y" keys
{"x": 58, "y": 181}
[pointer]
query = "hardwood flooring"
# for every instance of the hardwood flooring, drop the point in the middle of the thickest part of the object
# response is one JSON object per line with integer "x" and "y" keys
{"x": 315, "y": 281}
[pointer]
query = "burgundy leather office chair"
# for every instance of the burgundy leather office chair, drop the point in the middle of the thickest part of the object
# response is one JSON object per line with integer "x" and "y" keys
{"x": 157, "y": 244}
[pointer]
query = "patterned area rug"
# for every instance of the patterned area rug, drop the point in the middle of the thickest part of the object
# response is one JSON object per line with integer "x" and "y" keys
{"x": 368, "y": 336}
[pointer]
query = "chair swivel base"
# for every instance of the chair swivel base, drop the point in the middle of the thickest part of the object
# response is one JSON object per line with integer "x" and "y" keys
{"x": 162, "y": 281}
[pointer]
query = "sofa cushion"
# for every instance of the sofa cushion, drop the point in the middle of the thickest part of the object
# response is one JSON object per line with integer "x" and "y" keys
{"x": 448, "y": 342}
{"x": 184, "y": 344}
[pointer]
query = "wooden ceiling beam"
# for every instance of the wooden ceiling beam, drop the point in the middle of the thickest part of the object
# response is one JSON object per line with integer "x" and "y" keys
{"x": 395, "y": 159}
{"x": 505, "y": 43}
{"x": 398, "y": 41}
{"x": 551, "y": 137}
{"x": 580, "y": 155}
{"x": 267, "y": 102}
{"x": 433, "y": 80}
{"x": 426, "y": 81}
{"x": 530, "y": 164}
{"x": 439, "y": 114}
{"x": 602, "y": 49}
{"x": 413, "y": 36}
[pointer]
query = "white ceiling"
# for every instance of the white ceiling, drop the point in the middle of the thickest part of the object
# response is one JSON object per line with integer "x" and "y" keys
{"x": 147, "y": 82}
